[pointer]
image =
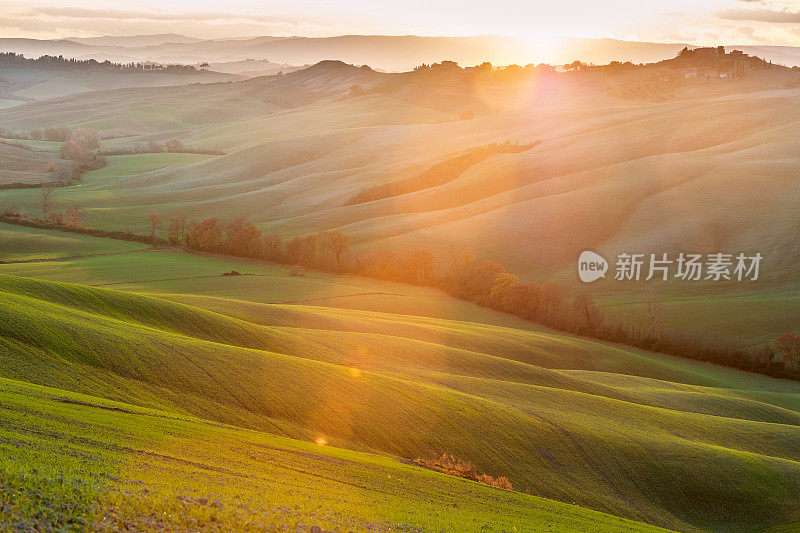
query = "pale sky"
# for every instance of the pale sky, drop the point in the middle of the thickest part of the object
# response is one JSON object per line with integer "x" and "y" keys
{"x": 703, "y": 22}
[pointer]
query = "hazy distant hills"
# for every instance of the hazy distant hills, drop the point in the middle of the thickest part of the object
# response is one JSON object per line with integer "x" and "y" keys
{"x": 135, "y": 40}
{"x": 394, "y": 53}
{"x": 22, "y": 84}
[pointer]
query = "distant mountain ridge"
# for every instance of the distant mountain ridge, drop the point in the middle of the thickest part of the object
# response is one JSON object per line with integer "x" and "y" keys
{"x": 135, "y": 40}
{"x": 385, "y": 52}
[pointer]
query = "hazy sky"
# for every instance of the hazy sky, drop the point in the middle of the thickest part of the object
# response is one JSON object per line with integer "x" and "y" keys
{"x": 692, "y": 21}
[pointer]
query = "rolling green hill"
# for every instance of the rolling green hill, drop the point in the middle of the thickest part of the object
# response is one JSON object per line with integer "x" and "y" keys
{"x": 566, "y": 418}
{"x": 124, "y": 466}
{"x": 171, "y": 381}
{"x": 18, "y": 244}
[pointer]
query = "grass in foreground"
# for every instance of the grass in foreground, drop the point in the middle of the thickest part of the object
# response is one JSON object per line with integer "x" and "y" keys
{"x": 411, "y": 386}
{"x": 74, "y": 462}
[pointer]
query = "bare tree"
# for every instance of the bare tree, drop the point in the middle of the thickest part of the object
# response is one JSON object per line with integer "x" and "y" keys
{"x": 155, "y": 224}
{"x": 653, "y": 314}
{"x": 271, "y": 248}
{"x": 308, "y": 249}
{"x": 337, "y": 242}
{"x": 173, "y": 145}
{"x": 588, "y": 316}
{"x": 46, "y": 202}
{"x": 421, "y": 264}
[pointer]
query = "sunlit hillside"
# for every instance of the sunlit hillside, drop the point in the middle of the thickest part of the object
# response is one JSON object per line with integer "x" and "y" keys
{"x": 336, "y": 298}
{"x": 681, "y": 170}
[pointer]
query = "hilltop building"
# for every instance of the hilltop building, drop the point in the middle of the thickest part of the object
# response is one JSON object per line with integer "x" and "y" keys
{"x": 710, "y": 63}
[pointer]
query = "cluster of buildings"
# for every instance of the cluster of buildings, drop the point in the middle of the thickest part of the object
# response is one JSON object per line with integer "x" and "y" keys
{"x": 710, "y": 63}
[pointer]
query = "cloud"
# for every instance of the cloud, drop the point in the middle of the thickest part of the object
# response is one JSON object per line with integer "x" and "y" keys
{"x": 761, "y": 15}
{"x": 118, "y": 14}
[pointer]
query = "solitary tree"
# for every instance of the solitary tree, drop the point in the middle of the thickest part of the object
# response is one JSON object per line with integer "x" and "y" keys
{"x": 155, "y": 224}
{"x": 653, "y": 314}
{"x": 587, "y": 314}
{"x": 46, "y": 202}
{"x": 355, "y": 91}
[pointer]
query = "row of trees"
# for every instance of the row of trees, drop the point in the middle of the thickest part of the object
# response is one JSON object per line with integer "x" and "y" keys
{"x": 155, "y": 147}
{"x": 530, "y": 68}
{"x": 47, "y": 61}
{"x": 241, "y": 238}
{"x": 484, "y": 283}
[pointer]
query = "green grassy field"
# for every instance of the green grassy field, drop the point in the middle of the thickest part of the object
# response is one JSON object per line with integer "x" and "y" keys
{"x": 134, "y": 384}
{"x": 103, "y": 464}
{"x": 165, "y": 272}
{"x": 99, "y": 189}
{"x": 411, "y": 386}
{"x": 19, "y": 243}
{"x": 44, "y": 146}
{"x": 129, "y": 165}
{"x": 753, "y": 320}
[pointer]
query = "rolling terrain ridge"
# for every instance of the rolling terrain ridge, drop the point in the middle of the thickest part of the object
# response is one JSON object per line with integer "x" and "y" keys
{"x": 378, "y": 382}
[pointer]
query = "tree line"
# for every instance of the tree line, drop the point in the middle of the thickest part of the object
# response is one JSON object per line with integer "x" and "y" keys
{"x": 485, "y": 283}
{"x": 13, "y": 59}
{"x": 78, "y": 143}
{"x": 173, "y": 146}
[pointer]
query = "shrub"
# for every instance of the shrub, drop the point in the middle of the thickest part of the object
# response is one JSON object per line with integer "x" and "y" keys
{"x": 458, "y": 467}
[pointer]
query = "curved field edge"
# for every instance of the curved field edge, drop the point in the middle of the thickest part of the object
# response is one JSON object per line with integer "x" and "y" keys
{"x": 102, "y": 464}
{"x": 613, "y": 442}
